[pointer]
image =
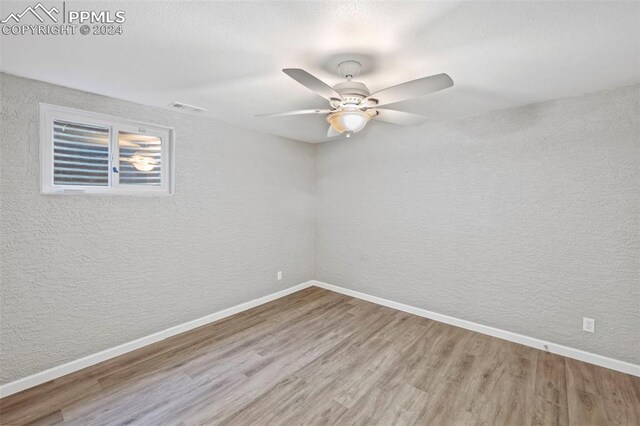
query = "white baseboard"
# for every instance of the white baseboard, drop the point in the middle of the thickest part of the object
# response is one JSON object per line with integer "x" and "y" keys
{"x": 79, "y": 364}
{"x": 555, "y": 348}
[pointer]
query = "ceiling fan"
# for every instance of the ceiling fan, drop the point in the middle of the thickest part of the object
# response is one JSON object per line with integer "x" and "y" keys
{"x": 351, "y": 105}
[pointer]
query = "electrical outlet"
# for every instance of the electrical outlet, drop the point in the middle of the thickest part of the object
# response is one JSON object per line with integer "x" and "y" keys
{"x": 279, "y": 275}
{"x": 588, "y": 325}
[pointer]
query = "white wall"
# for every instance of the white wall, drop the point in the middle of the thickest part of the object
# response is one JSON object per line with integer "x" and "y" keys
{"x": 525, "y": 219}
{"x": 80, "y": 274}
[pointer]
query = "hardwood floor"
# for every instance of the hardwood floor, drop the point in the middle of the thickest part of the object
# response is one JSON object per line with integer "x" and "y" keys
{"x": 318, "y": 357}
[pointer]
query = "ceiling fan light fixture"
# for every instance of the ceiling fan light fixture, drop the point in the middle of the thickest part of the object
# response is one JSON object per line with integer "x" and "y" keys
{"x": 350, "y": 120}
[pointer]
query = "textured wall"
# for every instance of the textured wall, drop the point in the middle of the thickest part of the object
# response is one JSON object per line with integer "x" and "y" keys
{"x": 526, "y": 219}
{"x": 84, "y": 273}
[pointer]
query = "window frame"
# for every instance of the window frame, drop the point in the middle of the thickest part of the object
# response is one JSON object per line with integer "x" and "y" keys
{"x": 49, "y": 113}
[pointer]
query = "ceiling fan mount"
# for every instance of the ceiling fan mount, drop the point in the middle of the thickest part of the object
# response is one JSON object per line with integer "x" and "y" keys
{"x": 349, "y": 69}
{"x": 352, "y": 105}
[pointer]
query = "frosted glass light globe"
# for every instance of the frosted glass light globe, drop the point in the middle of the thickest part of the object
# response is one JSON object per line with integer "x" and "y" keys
{"x": 348, "y": 119}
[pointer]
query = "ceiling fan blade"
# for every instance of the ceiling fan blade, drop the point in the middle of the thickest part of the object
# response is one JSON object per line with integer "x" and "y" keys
{"x": 312, "y": 83}
{"x": 399, "y": 117}
{"x": 332, "y": 133}
{"x": 298, "y": 112}
{"x": 411, "y": 89}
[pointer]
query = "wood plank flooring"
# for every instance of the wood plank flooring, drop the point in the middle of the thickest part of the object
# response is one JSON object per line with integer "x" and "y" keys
{"x": 318, "y": 357}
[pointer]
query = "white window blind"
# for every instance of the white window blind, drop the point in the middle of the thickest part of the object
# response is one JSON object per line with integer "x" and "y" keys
{"x": 85, "y": 152}
{"x": 81, "y": 154}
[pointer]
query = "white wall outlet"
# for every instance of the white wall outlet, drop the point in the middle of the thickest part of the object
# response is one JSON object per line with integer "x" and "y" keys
{"x": 279, "y": 275}
{"x": 588, "y": 324}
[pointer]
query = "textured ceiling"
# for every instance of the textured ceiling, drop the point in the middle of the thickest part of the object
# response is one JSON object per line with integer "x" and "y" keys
{"x": 227, "y": 56}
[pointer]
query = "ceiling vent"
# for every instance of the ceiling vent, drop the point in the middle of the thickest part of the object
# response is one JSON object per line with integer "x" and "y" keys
{"x": 186, "y": 107}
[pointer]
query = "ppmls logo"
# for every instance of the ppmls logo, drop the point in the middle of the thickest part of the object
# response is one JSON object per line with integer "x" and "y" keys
{"x": 33, "y": 11}
{"x": 59, "y": 20}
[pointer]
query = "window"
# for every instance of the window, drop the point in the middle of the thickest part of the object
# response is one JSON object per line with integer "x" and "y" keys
{"x": 84, "y": 152}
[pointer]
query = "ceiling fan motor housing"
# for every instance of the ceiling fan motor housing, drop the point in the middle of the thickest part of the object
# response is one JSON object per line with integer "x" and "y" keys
{"x": 352, "y": 92}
